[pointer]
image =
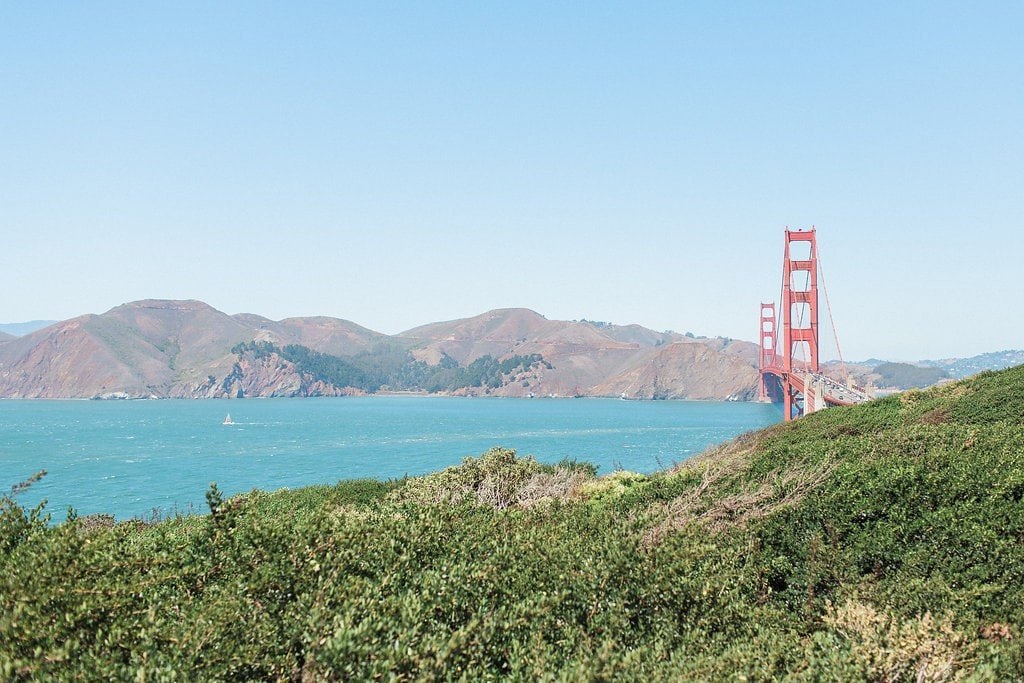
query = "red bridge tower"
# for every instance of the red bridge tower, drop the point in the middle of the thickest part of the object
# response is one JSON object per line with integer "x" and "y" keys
{"x": 787, "y": 364}
{"x": 769, "y": 345}
{"x": 800, "y": 311}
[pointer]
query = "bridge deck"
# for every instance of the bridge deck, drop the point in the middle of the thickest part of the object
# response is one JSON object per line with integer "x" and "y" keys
{"x": 834, "y": 392}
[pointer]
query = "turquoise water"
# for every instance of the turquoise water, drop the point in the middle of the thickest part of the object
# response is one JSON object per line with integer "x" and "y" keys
{"x": 129, "y": 457}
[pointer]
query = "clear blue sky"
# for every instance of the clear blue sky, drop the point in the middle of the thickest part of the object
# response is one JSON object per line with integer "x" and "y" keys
{"x": 396, "y": 164}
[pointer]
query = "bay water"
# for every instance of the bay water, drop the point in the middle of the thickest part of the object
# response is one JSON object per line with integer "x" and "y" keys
{"x": 130, "y": 458}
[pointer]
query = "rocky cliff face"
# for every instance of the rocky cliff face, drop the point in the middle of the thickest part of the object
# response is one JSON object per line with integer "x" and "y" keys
{"x": 267, "y": 377}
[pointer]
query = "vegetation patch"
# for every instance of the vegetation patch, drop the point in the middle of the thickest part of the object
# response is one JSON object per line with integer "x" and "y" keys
{"x": 884, "y": 647}
{"x": 497, "y": 479}
{"x": 880, "y": 542}
{"x": 392, "y": 367}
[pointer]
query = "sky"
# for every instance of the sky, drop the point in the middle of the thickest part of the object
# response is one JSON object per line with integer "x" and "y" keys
{"x": 395, "y": 164}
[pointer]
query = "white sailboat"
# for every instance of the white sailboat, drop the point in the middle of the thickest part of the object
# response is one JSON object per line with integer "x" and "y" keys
{"x": 227, "y": 420}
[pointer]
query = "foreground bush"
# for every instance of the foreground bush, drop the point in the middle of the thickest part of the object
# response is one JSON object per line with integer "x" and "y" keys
{"x": 883, "y": 542}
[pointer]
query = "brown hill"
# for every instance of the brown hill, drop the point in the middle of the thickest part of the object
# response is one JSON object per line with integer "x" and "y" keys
{"x": 145, "y": 348}
{"x": 59, "y": 361}
{"x": 685, "y": 369}
{"x": 158, "y": 348}
{"x": 745, "y": 351}
{"x": 176, "y": 349}
{"x": 493, "y": 333}
{"x": 595, "y": 359}
{"x": 637, "y": 334}
{"x": 327, "y": 335}
{"x": 4, "y": 337}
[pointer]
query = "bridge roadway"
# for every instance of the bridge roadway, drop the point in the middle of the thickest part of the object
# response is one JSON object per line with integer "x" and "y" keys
{"x": 832, "y": 391}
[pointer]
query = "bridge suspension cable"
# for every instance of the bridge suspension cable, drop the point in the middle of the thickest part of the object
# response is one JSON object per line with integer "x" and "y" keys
{"x": 831, "y": 320}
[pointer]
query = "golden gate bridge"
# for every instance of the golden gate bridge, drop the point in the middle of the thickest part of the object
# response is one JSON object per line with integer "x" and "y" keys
{"x": 790, "y": 372}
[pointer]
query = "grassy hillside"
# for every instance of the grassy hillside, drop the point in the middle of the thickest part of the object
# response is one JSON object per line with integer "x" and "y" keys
{"x": 881, "y": 542}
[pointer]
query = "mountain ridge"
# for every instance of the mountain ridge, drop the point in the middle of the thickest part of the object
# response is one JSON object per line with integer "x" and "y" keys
{"x": 161, "y": 348}
{"x": 23, "y": 328}
{"x": 156, "y": 348}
